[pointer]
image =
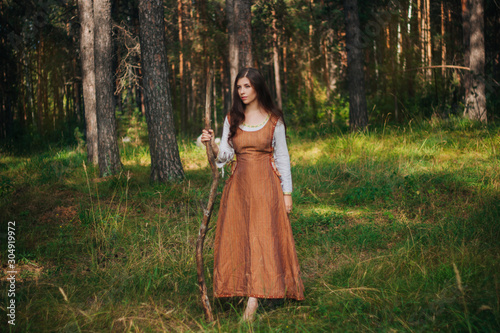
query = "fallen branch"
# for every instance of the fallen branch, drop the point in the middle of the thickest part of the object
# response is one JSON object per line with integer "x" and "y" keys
{"x": 207, "y": 213}
{"x": 431, "y": 67}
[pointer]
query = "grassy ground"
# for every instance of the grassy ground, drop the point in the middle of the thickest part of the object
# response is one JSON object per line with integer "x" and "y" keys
{"x": 397, "y": 230}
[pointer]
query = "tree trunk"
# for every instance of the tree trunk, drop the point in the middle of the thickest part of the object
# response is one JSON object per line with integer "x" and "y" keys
{"x": 284, "y": 67}
{"x": 45, "y": 86}
{"x": 358, "y": 117}
{"x": 309, "y": 84}
{"x": 276, "y": 62}
{"x": 443, "y": 43}
{"x": 240, "y": 36}
{"x": 428, "y": 37}
{"x": 399, "y": 42}
{"x": 466, "y": 40}
{"x": 476, "y": 102}
{"x": 86, "y": 13}
{"x": 420, "y": 39}
{"x": 175, "y": 95}
{"x": 165, "y": 160}
{"x": 182, "y": 99}
{"x": 189, "y": 60}
{"x": 31, "y": 90}
{"x": 22, "y": 103}
{"x": 191, "y": 93}
{"x": 4, "y": 103}
{"x": 8, "y": 94}
{"x": 243, "y": 15}
{"x": 3, "y": 110}
{"x": 409, "y": 55}
{"x": 75, "y": 89}
{"x": 67, "y": 101}
{"x": 39, "y": 95}
{"x": 109, "y": 156}
{"x": 141, "y": 101}
{"x": 58, "y": 101}
{"x": 375, "y": 60}
{"x": 117, "y": 85}
{"x": 331, "y": 65}
{"x": 233, "y": 46}
{"x": 214, "y": 98}
{"x": 76, "y": 92}
{"x": 225, "y": 84}
{"x": 394, "y": 58}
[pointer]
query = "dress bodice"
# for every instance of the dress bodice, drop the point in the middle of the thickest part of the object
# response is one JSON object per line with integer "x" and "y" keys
{"x": 254, "y": 143}
{"x": 251, "y": 140}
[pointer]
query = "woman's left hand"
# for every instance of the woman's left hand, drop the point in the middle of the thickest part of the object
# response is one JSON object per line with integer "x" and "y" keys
{"x": 288, "y": 203}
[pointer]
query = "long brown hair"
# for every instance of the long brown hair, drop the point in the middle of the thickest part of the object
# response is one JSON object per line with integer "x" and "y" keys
{"x": 237, "y": 111}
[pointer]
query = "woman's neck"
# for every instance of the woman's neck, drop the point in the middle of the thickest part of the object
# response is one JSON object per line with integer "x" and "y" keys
{"x": 254, "y": 109}
{"x": 254, "y": 114}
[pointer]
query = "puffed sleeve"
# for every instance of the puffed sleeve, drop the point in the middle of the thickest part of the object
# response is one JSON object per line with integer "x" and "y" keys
{"x": 282, "y": 158}
{"x": 226, "y": 152}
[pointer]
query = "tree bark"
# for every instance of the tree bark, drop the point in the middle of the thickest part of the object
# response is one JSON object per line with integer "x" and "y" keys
{"x": 284, "y": 66}
{"x": 331, "y": 66}
{"x": 276, "y": 62}
{"x": 408, "y": 47}
{"x": 466, "y": 41}
{"x": 22, "y": 102}
{"x": 420, "y": 39}
{"x": 428, "y": 36}
{"x": 358, "y": 117}
{"x": 476, "y": 102}
{"x": 443, "y": 43}
{"x": 76, "y": 92}
{"x": 225, "y": 84}
{"x": 243, "y": 15}
{"x": 58, "y": 101}
{"x": 39, "y": 95}
{"x": 108, "y": 153}
{"x": 182, "y": 99}
{"x": 214, "y": 97}
{"x": 309, "y": 85}
{"x": 233, "y": 46}
{"x": 165, "y": 160}
{"x": 240, "y": 36}
{"x": 45, "y": 85}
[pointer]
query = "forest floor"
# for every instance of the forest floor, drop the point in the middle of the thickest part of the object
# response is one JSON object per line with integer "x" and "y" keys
{"x": 397, "y": 230}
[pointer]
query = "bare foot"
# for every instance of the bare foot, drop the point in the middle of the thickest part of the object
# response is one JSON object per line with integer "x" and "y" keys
{"x": 249, "y": 313}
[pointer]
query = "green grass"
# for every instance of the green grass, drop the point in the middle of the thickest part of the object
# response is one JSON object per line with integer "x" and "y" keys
{"x": 397, "y": 230}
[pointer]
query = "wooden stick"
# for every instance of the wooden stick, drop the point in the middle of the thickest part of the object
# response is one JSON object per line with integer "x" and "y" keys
{"x": 207, "y": 213}
{"x": 440, "y": 66}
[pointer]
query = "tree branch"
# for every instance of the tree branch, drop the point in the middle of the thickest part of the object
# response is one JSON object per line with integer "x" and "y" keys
{"x": 431, "y": 67}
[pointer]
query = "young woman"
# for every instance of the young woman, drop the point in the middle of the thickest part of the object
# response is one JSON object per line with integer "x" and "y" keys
{"x": 254, "y": 248}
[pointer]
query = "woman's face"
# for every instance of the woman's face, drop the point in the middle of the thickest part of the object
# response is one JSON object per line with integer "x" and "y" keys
{"x": 246, "y": 91}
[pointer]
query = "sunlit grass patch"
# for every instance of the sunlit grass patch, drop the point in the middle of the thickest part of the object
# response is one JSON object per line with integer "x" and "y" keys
{"x": 192, "y": 156}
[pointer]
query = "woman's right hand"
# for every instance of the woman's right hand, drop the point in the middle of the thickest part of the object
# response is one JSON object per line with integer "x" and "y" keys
{"x": 207, "y": 135}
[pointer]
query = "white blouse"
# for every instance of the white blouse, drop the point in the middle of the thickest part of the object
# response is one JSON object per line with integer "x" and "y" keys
{"x": 280, "y": 151}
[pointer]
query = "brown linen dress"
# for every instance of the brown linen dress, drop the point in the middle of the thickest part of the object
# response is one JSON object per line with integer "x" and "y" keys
{"x": 254, "y": 247}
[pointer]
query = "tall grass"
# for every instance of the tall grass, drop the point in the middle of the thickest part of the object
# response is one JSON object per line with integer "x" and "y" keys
{"x": 396, "y": 230}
